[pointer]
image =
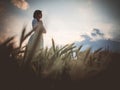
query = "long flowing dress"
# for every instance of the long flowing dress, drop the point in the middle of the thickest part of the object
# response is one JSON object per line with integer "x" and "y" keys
{"x": 35, "y": 43}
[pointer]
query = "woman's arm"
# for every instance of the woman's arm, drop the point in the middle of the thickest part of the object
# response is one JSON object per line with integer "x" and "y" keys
{"x": 43, "y": 28}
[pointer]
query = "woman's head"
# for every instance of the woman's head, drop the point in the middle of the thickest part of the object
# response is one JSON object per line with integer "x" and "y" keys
{"x": 37, "y": 14}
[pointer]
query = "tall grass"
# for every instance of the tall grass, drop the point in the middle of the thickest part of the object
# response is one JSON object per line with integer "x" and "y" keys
{"x": 56, "y": 63}
{"x": 51, "y": 62}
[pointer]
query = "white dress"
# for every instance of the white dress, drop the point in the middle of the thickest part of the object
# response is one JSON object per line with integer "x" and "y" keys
{"x": 35, "y": 43}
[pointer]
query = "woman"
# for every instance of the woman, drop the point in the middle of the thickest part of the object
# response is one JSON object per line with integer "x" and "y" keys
{"x": 35, "y": 43}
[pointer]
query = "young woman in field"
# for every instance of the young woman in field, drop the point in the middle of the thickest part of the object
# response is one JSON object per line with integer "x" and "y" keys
{"x": 35, "y": 43}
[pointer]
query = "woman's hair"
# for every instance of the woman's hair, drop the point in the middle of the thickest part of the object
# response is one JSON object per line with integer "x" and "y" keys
{"x": 36, "y": 13}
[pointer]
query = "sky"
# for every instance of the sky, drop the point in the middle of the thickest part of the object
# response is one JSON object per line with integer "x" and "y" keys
{"x": 66, "y": 21}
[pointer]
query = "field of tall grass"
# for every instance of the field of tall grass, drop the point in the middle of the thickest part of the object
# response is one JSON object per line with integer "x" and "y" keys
{"x": 58, "y": 67}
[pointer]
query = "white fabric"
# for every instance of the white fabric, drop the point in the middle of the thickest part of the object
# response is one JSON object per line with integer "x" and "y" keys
{"x": 39, "y": 28}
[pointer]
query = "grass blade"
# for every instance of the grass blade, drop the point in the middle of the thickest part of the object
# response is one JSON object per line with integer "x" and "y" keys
{"x": 22, "y": 36}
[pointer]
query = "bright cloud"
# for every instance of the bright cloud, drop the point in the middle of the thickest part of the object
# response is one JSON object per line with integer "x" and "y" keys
{"x": 68, "y": 27}
{"x": 22, "y": 4}
{"x": 60, "y": 31}
{"x": 105, "y": 28}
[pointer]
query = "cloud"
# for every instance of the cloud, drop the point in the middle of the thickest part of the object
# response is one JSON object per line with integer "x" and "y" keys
{"x": 22, "y": 4}
{"x": 86, "y": 37}
{"x": 97, "y": 32}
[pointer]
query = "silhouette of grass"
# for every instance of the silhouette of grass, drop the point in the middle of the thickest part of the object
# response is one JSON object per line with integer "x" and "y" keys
{"x": 56, "y": 67}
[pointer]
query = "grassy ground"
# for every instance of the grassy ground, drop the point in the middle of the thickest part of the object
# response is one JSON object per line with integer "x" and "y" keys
{"x": 57, "y": 67}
